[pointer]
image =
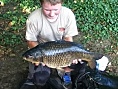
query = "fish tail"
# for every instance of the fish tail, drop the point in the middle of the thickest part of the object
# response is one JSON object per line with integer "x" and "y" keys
{"x": 92, "y": 64}
{"x": 95, "y": 56}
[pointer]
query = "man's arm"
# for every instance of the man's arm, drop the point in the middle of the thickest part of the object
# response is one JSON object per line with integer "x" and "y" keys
{"x": 32, "y": 44}
{"x": 70, "y": 38}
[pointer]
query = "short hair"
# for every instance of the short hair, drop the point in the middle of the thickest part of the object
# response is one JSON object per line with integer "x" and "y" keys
{"x": 53, "y": 2}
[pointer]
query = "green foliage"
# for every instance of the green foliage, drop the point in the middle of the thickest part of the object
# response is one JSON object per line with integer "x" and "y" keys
{"x": 16, "y": 15}
{"x": 10, "y": 39}
{"x": 5, "y": 1}
{"x": 29, "y": 4}
{"x": 96, "y": 19}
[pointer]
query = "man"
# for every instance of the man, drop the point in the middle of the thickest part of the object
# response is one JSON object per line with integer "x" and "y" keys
{"x": 49, "y": 23}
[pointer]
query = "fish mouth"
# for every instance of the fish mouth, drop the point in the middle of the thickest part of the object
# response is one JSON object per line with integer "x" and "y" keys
{"x": 24, "y": 58}
{"x": 30, "y": 60}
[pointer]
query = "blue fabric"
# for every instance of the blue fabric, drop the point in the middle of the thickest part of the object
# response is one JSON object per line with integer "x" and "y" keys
{"x": 67, "y": 78}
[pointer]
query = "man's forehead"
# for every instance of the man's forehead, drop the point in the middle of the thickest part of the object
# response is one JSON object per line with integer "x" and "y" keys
{"x": 49, "y": 6}
{"x": 53, "y": 2}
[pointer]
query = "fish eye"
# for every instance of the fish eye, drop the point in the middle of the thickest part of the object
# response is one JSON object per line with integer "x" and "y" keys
{"x": 30, "y": 56}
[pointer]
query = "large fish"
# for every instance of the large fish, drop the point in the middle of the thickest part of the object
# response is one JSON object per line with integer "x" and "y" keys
{"x": 58, "y": 54}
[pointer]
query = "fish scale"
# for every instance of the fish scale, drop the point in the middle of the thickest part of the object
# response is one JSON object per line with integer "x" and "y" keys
{"x": 62, "y": 61}
{"x": 58, "y": 54}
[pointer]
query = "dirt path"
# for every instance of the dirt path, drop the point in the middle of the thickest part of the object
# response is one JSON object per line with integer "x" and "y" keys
{"x": 12, "y": 69}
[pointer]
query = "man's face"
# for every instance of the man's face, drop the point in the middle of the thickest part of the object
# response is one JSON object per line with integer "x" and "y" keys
{"x": 51, "y": 11}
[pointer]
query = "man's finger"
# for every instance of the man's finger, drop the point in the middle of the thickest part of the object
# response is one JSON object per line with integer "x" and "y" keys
{"x": 75, "y": 61}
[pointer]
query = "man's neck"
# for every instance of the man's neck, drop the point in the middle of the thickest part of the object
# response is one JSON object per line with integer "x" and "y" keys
{"x": 52, "y": 20}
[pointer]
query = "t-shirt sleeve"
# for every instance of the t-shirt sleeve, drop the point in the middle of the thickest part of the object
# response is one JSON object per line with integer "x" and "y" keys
{"x": 71, "y": 27}
{"x": 31, "y": 32}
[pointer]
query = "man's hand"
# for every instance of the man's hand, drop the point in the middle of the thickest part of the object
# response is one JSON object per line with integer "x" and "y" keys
{"x": 37, "y": 64}
{"x": 32, "y": 44}
{"x": 75, "y": 61}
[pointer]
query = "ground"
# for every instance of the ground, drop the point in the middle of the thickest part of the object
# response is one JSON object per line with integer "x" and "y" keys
{"x": 13, "y": 69}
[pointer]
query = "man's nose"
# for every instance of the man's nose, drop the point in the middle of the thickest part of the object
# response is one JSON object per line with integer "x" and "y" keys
{"x": 52, "y": 13}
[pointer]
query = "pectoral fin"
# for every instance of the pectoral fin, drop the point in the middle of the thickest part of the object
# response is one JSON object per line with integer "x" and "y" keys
{"x": 92, "y": 64}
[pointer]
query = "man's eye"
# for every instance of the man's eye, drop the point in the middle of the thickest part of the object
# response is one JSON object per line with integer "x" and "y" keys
{"x": 51, "y": 10}
{"x": 46, "y": 10}
{"x": 55, "y": 9}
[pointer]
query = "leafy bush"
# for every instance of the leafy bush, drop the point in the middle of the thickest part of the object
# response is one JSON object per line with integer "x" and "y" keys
{"x": 16, "y": 15}
{"x": 96, "y": 19}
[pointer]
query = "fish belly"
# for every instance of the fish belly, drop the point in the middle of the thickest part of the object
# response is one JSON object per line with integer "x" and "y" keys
{"x": 65, "y": 59}
{"x": 58, "y": 61}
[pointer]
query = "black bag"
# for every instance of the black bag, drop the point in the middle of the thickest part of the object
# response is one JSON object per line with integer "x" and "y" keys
{"x": 41, "y": 75}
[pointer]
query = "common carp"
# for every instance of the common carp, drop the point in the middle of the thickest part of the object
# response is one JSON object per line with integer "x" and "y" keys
{"x": 58, "y": 54}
